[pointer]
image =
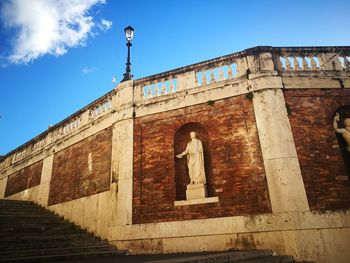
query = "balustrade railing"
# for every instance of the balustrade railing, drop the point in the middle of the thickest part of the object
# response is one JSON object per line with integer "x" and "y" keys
{"x": 19, "y": 155}
{"x": 312, "y": 59}
{"x": 101, "y": 108}
{"x": 202, "y": 75}
{"x": 70, "y": 126}
{"x": 197, "y": 75}
{"x": 216, "y": 74}
{"x": 159, "y": 88}
{"x": 95, "y": 110}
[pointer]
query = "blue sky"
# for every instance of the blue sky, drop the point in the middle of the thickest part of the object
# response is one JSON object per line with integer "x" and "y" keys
{"x": 58, "y": 56}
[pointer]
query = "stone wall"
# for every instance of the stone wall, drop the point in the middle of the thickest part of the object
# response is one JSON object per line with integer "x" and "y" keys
{"x": 82, "y": 169}
{"x": 23, "y": 179}
{"x": 234, "y": 169}
{"x": 325, "y": 176}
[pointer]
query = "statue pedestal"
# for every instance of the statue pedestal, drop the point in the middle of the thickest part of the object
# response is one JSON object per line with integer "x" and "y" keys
{"x": 196, "y": 191}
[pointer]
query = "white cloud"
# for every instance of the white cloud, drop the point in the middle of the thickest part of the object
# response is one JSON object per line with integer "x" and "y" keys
{"x": 87, "y": 70}
{"x": 48, "y": 26}
{"x": 105, "y": 24}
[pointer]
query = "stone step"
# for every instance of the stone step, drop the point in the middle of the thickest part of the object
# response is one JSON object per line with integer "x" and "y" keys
{"x": 35, "y": 227}
{"x": 15, "y": 202}
{"x": 32, "y": 216}
{"x": 61, "y": 230}
{"x": 31, "y": 207}
{"x": 60, "y": 256}
{"x": 48, "y": 237}
{"x": 30, "y": 233}
{"x": 18, "y": 211}
{"x": 12, "y": 220}
{"x": 54, "y": 251}
{"x": 231, "y": 256}
{"x": 57, "y": 244}
{"x": 271, "y": 259}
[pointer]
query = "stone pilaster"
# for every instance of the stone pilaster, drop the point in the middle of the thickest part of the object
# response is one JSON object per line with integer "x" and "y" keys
{"x": 122, "y": 160}
{"x": 44, "y": 188}
{"x": 3, "y": 183}
{"x": 285, "y": 182}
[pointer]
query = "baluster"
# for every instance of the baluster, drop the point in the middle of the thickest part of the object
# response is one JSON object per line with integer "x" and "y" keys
{"x": 155, "y": 90}
{"x": 229, "y": 72}
{"x": 160, "y": 89}
{"x": 144, "y": 91}
{"x": 240, "y": 69}
{"x": 176, "y": 85}
{"x": 313, "y": 63}
{"x": 221, "y": 74}
{"x": 212, "y": 76}
{"x": 336, "y": 63}
{"x": 296, "y": 63}
{"x": 304, "y": 63}
{"x": 346, "y": 63}
{"x": 148, "y": 91}
{"x": 320, "y": 62}
{"x": 288, "y": 65}
{"x": 163, "y": 88}
{"x": 204, "y": 78}
{"x": 171, "y": 86}
{"x": 279, "y": 63}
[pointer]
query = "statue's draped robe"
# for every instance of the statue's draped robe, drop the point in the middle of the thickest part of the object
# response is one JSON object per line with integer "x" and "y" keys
{"x": 195, "y": 162}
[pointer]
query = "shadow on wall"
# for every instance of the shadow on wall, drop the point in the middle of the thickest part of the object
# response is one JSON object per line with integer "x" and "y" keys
{"x": 181, "y": 138}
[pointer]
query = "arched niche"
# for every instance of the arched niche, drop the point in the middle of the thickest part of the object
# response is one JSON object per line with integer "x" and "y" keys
{"x": 344, "y": 113}
{"x": 181, "y": 138}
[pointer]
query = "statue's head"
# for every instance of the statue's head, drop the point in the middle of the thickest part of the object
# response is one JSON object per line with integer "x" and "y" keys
{"x": 193, "y": 134}
{"x": 347, "y": 123}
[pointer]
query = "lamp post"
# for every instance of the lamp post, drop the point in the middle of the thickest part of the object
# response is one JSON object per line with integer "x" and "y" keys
{"x": 129, "y": 34}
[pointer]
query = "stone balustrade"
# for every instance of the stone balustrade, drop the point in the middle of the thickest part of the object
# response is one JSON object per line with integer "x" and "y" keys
{"x": 159, "y": 88}
{"x": 312, "y": 59}
{"x": 217, "y": 74}
{"x": 19, "y": 155}
{"x": 202, "y": 75}
{"x": 198, "y": 75}
{"x": 101, "y": 108}
{"x": 70, "y": 126}
{"x": 66, "y": 127}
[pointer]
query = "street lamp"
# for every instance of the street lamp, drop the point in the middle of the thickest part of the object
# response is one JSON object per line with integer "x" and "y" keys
{"x": 129, "y": 34}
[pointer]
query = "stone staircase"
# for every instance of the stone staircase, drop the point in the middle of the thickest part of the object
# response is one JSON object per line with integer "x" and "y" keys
{"x": 31, "y": 233}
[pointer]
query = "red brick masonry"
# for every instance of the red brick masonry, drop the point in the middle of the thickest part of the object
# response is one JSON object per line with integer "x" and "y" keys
{"x": 322, "y": 165}
{"x": 235, "y": 171}
{"x": 25, "y": 178}
{"x": 72, "y": 177}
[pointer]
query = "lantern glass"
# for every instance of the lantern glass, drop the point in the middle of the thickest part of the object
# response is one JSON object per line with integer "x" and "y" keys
{"x": 129, "y": 33}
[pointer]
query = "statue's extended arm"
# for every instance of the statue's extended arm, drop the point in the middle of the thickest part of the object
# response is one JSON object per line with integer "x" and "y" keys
{"x": 335, "y": 123}
{"x": 183, "y": 153}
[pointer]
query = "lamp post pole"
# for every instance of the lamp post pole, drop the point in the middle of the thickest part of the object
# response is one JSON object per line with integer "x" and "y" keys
{"x": 129, "y": 34}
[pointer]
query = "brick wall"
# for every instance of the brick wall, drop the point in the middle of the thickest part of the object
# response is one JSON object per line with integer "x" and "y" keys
{"x": 82, "y": 169}
{"x": 236, "y": 173}
{"x": 321, "y": 161}
{"x": 24, "y": 179}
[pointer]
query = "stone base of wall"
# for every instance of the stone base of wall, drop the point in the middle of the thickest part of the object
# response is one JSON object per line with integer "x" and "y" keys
{"x": 93, "y": 213}
{"x": 306, "y": 236}
{"x": 31, "y": 194}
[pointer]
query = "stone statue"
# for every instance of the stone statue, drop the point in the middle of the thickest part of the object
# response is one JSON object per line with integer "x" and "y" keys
{"x": 345, "y": 132}
{"x": 195, "y": 160}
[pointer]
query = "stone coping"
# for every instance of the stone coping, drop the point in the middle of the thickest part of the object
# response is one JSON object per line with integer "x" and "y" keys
{"x": 206, "y": 200}
{"x": 270, "y": 222}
